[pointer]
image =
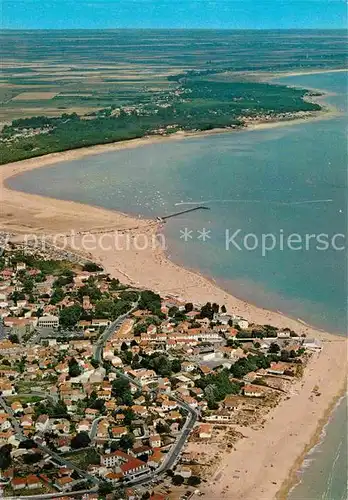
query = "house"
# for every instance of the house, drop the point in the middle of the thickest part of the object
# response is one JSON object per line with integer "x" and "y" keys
{"x": 83, "y": 426}
{"x": 151, "y": 329}
{"x": 243, "y": 324}
{"x": 276, "y": 368}
{"x": 42, "y": 423}
{"x": 219, "y": 416}
{"x": 19, "y": 483}
{"x": 6, "y": 388}
{"x": 17, "y": 407}
{"x": 139, "y": 410}
{"x": 102, "y": 430}
{"x": 168, "y": 405}
{"x": 221, "y": 318}
{"x": 230, "y": 402}
{"x": 6, "y": 436}
{"x": 254, "y": 391}
{"x": 138, "y": 451}
{"x": 143, "y": 376}
{"x": 110, "y": 459}
{"x": 190, "y": 401}
{"x": 187, "y": 366}
{"x": 114, "y": 477}
{"x": 48, "y": 322}
{"x": 284, "y": 334}
{"x": 26, "y": 421}
{"x": 96, "y": 323}
{"x": 185, "y": 471}
{"x": 205, "y": 431}
{"x": 63, "y": 444}
{"x": 133, "y": 467}
{"x": 91, "y": 413}
{"x": 205, "y": 370}
{"x": 156, "y": 458}
{"x": 33, "y": 482}
{"x": 155, "y": 441}
{"x": 64, "y": 483}
{"x": 118, "y": 432}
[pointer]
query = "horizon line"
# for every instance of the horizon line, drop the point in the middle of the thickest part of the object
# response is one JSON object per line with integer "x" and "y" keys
{"x": 174, "y": 29}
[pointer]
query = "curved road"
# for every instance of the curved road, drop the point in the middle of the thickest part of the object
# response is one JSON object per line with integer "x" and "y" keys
{"x": 171, "y": 457}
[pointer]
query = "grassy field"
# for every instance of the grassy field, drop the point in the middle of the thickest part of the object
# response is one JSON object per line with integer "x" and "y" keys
{"x": 83, "y": 458}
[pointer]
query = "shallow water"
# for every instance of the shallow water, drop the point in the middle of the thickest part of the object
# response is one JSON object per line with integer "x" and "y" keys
{"x": 324, "y": 473}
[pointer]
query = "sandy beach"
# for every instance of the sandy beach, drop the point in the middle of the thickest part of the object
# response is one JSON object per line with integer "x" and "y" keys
{"x": 258, "y": 467}
{"x": 266, "y": 457}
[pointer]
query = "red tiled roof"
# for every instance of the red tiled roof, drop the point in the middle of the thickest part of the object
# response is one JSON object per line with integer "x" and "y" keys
{"x": 134, "y": 463}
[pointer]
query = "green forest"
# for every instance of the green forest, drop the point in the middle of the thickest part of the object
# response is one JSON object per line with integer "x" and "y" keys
{"x": 195, "y": 105}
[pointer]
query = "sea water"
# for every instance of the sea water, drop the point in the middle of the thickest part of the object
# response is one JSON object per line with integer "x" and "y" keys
{"x": 279, "y": 182}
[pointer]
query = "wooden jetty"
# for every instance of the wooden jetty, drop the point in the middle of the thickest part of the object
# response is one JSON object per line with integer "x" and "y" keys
{"x": 165, "y": 217}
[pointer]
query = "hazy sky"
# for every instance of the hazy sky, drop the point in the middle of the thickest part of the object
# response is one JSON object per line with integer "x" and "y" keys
{"x": 242, "y": 14}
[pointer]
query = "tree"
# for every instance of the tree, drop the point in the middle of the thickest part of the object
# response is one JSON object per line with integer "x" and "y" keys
{"x": 129, "y": 416}
{"x": 194, "y": 481}
{"x": 120, "y": 385}
{"x": 74, "y": 368}
{"x": 126, "y": 442}
{"x": 91, "y": 267}
{"x": 105, "y": 488}
{"x": 104, "y": 308}
{"x": 178, "y": 480}
{"x": 69, "y": 316}
{"x": 124, "y": 346}
{"x": 81, "y": 440}
{"x": 57, "y": 296}
{"x": 176, "y": 365}
{"x": 150, "y": 300}
{"x": 95, "y": 363}
{"x": 215, "y": 308}
{"x": 207, "y": 311}
{"x": 161, "y": 365}
{"x": 58, "y": 410}
{"x": 14, "y": 338}
{"x": 188, "y": 307}
{"x": 5, "y": 456}
{"x": 33, "y": 458}
{"x": 284, "y": 355}
{"x": 162, "y": 428}
{"x": 121, "y": 391}
{"x": 223, "y": 310}
{"x": 28, "y": 444}
{"x": 172, "y": 311}
{"x": 274, "y": 348}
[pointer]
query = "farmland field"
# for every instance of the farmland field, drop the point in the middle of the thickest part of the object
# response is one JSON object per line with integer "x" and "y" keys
{"x": 89, "y": 87}
{"x": 89, "y": 70}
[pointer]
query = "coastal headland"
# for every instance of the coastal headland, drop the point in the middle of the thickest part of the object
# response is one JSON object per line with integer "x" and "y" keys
{"x": 264, "y": 463}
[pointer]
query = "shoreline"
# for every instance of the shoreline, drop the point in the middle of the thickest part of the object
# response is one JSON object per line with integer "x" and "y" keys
{"x": 293, "y": 480}
{"x": 326, "y": 113}
{"x": 151, "y": 268}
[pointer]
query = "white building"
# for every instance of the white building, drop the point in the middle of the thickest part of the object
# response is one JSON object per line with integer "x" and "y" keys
{"x": 48, "y": 322}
